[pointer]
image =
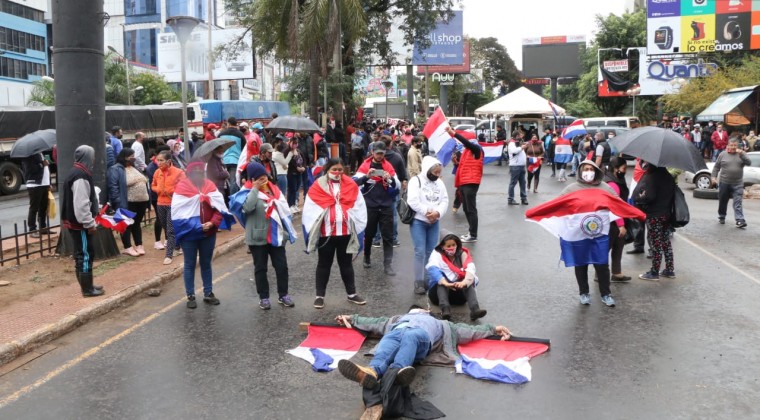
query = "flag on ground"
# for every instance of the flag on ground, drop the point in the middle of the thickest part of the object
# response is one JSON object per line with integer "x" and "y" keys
{"x": 577, "y": 128}
{"x": 581, "y": 220}
{"x": 501, "y": 361}
{"x": 119, "y": 221}
{"x": 186, "y": 209}
{"x": 325, "y": 346}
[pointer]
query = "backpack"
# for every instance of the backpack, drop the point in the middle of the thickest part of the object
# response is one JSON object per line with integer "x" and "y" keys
{"x": 679, "y": 216}
{"x": 405, "y": 213}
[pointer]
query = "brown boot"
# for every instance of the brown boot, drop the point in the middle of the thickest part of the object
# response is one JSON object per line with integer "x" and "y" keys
{"x": 366, "y": 376}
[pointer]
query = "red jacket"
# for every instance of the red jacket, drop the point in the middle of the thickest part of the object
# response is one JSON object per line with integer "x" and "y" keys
{"x": 470, "y": 170}
{"x": 719, "y": 140}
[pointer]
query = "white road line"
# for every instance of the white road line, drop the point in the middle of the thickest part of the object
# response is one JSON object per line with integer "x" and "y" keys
{"x": 716, "y": 258}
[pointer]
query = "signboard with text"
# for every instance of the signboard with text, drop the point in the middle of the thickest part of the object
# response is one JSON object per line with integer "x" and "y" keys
{"x": 239, "y": 66}
{"x": 446, "y": 44}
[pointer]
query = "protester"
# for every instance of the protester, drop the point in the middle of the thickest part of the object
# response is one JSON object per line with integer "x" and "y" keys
{"x": 128, "y": 189}
{"x": 265, "y": 159}
{"x": 150, "y": 171}
{"x": 379, "y": 185}
{"x": 638, "y": 241}
{"x": 37, "y": 174}
{"x": 265, "y": 205}
{"x": 395, "y": 159}
{"x": 615, "y": 178}
{"x": 730, "y": 165}
{"x": 115, "y": 139}
{"x": 110, "y": 154}
{"x": 410, "y": 338}
{"x": 719, "y": 140}
{"x": 414, "y": 157}
{"x": 696, "y": 137}
{"x": 281, "y": 163}
{"x": 452, "y": 278}
{"x": 334, "y": 217}
{"x": 210, "y": 132}
{"x": 654, "y": 194}
{"x": 197, "y": 213}
{"x": 591, "y": 176}
{"x": 297, "y": 168}
{"x": 165, "y": 180}
{"x": 178, "y": 158}
{"x": 534, "y": 155}
{"x": 563, "y": 154}
{"x": 232, "y": 155}
{"x": 602, "y": 152}
{"x": 217, "y": 173}
{"x": 79, "y": 206}
{"x": 467, "y": 182}
{"x": 517, "y": 169}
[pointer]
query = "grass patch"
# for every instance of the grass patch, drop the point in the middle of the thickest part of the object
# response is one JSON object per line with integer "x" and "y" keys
{"x": 109, "y": 265}
{"x": 36, "y": 279}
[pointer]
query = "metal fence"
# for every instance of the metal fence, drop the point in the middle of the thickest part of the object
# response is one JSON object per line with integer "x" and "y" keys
{"x": 24, "y": 246}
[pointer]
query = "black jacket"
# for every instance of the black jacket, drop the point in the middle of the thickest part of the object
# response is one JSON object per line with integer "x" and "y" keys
{"x": 397, "y": 161}
{"x": 33, "y": 168}
{"x": 655, "y": 193}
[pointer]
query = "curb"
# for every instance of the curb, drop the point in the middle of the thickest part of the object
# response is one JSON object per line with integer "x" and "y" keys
{"x": 16, "y": 348}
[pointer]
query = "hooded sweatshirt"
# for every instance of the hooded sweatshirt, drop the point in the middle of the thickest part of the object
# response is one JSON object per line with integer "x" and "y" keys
{"x": 580, "y": 184}
{"x": 79, "y": 205}
{"x": 425, "y": 195}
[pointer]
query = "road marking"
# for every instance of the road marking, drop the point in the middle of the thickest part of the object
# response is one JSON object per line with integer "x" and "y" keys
{"x": 716, "y": 258}
{"x": 92, "y": 351}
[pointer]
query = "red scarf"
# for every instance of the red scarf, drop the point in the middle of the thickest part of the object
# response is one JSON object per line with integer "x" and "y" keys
{"x": 459, "y": 271}
{"x": 84, "y": 168}
{"x": 349, "y": 191}
{"x": 387, "y": 167}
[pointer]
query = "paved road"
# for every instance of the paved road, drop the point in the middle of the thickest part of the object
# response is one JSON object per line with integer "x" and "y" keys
{"x": 683, "y": 348}
{"x": 14, "y": 210}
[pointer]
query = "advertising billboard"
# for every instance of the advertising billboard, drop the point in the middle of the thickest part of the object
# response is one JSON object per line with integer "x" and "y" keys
{"x": 370, "y": 82}
{"x": 446, "y": 44}
{"x": 226, "y": 67}
{"x": 463, "y": 68}
{"x": 555, "y": 56}
{"x": 699, "y": 26}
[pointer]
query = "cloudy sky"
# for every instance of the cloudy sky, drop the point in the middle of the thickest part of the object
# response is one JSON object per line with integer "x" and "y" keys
{"x": 512, "y": 20}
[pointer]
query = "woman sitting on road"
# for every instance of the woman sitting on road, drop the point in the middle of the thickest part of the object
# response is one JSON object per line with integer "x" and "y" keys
{"x": 452, "y": 278}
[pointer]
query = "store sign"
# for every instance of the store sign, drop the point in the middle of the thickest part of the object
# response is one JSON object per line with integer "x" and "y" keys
{"x": 667, "y": 71}
{"x": 444, "y": 79}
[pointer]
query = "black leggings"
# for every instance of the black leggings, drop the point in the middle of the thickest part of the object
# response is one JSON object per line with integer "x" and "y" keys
{"x": 156, "y": 223}
{"x": 135, "y": 229}
{"x": 537, "y": 175}
{"x": 602, "y": 273}
{"x": 328, "y": 248}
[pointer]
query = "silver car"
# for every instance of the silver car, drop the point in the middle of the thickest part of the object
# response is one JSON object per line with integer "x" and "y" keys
{"x": 702, "y": 179}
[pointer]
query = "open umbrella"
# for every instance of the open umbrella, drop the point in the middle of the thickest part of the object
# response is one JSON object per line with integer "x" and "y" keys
{"x": 33, "y": 143}
{"x": 660, "y": 147}
{"x": 293, "y": 123}
{"x": 208, "y": 147}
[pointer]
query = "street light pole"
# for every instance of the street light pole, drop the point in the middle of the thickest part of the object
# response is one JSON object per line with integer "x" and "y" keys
{"x": 183, "y": 27}
{"x": 387, "y": 84}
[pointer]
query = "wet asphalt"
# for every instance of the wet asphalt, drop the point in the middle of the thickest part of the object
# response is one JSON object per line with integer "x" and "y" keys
{"x": 677, "y": 349}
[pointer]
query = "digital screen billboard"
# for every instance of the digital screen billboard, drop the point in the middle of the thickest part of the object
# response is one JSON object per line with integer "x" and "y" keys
{"x": 553, "y": 56}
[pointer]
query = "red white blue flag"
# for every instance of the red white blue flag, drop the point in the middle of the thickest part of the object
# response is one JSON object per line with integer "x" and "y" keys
{"x": 577, "y": 128}
{"x": 325, "y": 346}
{"x": 186, "y": 210}
{"x": 119, "y": 221}
{"x": 500, "y": 361}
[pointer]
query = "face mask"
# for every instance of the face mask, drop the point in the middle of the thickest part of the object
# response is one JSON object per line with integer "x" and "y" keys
{"x": 334, "y": 177}
{"x": 131, "y": 161}
{"x": 451, "y": 252}
{"x": 588, "y": 176}
{"x": 621, "y": 175}
{"x": 432, "y": 177}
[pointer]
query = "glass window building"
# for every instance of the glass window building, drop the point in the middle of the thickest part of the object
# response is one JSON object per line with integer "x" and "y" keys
{"x": 23, "y": 42}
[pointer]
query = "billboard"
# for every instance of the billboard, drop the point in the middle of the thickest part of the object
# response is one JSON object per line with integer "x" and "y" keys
{"x": 446, "y": 44}
{"x": 556, "y": 56}
{"x": 370, "y": 82}
{"x": 463, "y": 68}
{"x": 226, "y": 67}
{"x": 654, "y": 77}
{"x": 699, "y": 26}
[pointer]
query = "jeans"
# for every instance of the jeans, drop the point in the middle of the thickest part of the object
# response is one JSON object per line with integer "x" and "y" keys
{"x": 377, "y": 237}
{"x": 381, "y": 217}
{"x": 602, "y": 274}
{"x": 294, "y": 184}
{"x": 261, "y": 254}
{"x": 517, "y": 175}
{"x": 400, "y": 348}
{"x": 282, "y": 183}
{"x": 327, "y": 250}
{"x": 715, "y": 154}
{"x": 468, "y": 194}
{"x": 204, "y": 251}
{"x": 424, "y": 238}
{"x": 38, "y": 204}
{"x": 577, "y": 159}
{"x": 734, "y": 192}
{"x": 135, "y": 229}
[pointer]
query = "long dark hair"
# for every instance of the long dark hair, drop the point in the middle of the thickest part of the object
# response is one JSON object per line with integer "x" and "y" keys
{"x": 124, "y": 154}
{"x": 330, "y": 163}
{"x": 450, "y": 237}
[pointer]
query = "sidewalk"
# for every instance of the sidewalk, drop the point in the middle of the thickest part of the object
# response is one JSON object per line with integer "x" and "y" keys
{"x": 56, "y": 310}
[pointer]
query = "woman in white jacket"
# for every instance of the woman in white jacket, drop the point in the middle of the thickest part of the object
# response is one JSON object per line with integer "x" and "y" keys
{"x": 427, "y": 196}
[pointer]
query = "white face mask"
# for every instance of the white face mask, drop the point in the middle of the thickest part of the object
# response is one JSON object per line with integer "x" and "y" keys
{"x": 588, "y": 176}
{"x": 334, "y": 177}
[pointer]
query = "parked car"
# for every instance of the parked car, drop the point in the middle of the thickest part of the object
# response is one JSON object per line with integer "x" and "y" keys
{"x": 465, "y": 127}
{"x": 455, "y": 121}
{"x": 702, "y": 178}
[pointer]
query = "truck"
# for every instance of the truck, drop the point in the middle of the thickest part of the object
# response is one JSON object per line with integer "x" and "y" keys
{"x": 156, "y": 121}
{"x": 385, "y": 110}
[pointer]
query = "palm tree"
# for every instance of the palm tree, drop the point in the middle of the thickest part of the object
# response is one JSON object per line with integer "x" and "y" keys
{"x": 43, "y": 93}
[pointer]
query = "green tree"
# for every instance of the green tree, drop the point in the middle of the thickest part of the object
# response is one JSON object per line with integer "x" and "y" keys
{"x": 488, "y": 54}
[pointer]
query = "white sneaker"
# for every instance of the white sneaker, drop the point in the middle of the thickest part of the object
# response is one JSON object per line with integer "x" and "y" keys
{"x": 158, "y": 245}
{"x": 468, "y": 239}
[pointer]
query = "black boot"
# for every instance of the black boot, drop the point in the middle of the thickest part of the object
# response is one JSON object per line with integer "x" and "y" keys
{"x": 445, "y": 312}
{"x": 477, "y": 313}
{"x": 85, "y": 282}
{"x": 94, "y": 286}
{"x": 367, "y": 262}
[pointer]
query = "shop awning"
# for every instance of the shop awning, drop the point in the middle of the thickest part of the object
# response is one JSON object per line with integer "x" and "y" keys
{"x": 725, "y": 104}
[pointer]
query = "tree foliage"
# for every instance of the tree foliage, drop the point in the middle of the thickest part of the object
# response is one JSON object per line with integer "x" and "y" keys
{"x": 43, "y": 93}
{"x": 488, "y": 54}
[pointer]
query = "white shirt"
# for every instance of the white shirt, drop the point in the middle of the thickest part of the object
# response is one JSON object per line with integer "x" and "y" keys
{"x": 139, "y": 156}
{"x": 517, "y": 155}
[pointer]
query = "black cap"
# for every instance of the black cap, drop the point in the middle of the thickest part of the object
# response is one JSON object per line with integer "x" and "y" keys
{"x": 378, "y": 146}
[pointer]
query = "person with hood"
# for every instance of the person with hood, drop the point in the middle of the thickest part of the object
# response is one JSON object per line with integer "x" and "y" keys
{"x": 178, "y": 158}
{"x": 165, "y": 180}
{"x": 79, "y": 206}
{"x": 452, "y": 278}
{"x": 414, "y": 337}
{"x": 615, "y": 178}
{"x": 217, "y": 172}
{"x": 428, "y": 198}
{"x": 334, "y": 217}
{"x": 591, "y": 176}
{"x": 654, "y": 194}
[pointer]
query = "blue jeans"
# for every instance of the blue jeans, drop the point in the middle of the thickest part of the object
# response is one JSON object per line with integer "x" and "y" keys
{"x": 517, "y": 175}
{"x": 377, "y": 237}
{"x": 294, "y": 184}
{"x": 400, "y": 348}
{"x": 734, "y": 192}
{"x": 282, "y": 183}
{"x": 577, "y": 159}
{"x": 425, "y": 238}
{"x": 204, "y": 250}
{"x": 715, "y": 154}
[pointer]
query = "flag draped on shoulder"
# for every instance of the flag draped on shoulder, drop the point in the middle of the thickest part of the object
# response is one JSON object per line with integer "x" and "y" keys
{"x": 577, "y": 128}
{"x": 119, "y": 221}
{"x": 334, "y": 210}
{"x": 581, "y": 220}
{"x": 563, "y": 151}
{"x": 500, "y": 361}
{"x": 186, "y": 209}
{"x": 281, "y": 228}
{"x": 325, "y": 346}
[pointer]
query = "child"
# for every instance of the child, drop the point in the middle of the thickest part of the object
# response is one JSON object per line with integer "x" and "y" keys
{"x": 452, "y": 278}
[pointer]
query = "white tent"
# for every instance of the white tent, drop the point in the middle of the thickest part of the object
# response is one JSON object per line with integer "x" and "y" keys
{"x": 521, "y": 101}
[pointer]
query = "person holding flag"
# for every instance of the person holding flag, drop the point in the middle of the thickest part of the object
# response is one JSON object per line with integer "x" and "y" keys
{"x": 534, "y": 152}
{"x": 334, "y": 219}
{"x": 196, "y": 232}
{"x": 467, "y": 182}
{"x": 563, "y": 154}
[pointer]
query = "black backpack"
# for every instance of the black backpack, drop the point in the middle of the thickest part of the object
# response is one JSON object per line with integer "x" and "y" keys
{"x": 679, "y": 216}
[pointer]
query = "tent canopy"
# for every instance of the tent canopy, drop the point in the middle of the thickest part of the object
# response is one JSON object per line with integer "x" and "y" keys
{"x": 725, "y": 104}
{"x": 521, "y": 101}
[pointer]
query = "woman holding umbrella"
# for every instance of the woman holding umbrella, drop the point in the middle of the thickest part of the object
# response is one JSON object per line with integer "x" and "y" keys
{"x": 654, "y": 194}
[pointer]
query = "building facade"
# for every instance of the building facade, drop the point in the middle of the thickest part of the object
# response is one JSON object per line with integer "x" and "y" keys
{"x": 24, "y": 49}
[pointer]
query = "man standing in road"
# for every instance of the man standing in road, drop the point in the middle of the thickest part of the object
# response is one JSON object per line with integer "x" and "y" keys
{"x": 79, "y": 206}
{"x": 719, "y": 141}
{"x": 116, "y": 135}
{"x": 517, "y": 168}
{"x": 467, "y": 182}
{"x": 37, "y": 175}
{"x": 602, "y": 152}
{"x": 137, "y": 146}
{"x": 394, "y": 157}
{"x": 730, "y": 164}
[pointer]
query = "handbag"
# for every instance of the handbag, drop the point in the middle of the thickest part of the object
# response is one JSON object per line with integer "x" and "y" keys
{"x": 679, "y": 216}
{"x": 52, "y": 209}
{"x": 405, "y": 213}
{"x": 632, "y": 230}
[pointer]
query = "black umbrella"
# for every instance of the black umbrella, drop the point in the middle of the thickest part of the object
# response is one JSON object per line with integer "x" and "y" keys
{"x": 208, "y": 147}
{"x": 33, "y": 143}
{"x": 660, "y": 147}
{"x": 293, "y": 123}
